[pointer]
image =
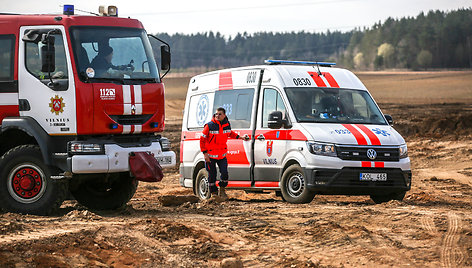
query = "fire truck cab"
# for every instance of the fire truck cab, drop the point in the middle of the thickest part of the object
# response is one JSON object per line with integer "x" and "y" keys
{"x": 78, "y": 94}
{"x": 314, "y": 129}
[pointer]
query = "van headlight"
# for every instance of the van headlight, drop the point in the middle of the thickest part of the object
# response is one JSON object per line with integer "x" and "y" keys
{"x": 403, "y": 151}
{"x": 325, "y": 149}
{"x": 85, "y": 148}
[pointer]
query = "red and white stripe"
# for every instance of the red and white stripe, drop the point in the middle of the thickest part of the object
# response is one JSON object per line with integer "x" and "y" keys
{"x": 132, "y": 99}
{"x": 225, "y": 81}
{"x": 365, "y": 136}
{"x": 324, "y": 80}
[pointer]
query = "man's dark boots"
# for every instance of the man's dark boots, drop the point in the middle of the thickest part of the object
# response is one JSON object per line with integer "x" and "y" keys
{"x": 222, "y": 193}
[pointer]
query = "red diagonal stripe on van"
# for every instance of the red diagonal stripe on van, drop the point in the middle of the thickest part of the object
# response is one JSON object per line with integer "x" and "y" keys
{"x": 359, "y": 137}
{"x": 332, "y": 82}
{"x": 226, "y": 81}
{"x": 318, "y": 81}
{"x": 372, "y": 137}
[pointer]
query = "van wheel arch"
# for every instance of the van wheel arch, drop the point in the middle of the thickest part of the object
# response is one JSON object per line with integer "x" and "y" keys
{"x": 288, "y": 164}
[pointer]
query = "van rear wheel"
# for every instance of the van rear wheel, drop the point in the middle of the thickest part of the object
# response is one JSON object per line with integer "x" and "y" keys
{"x": 294, "y": 186}
{"x": 201, "y": 188}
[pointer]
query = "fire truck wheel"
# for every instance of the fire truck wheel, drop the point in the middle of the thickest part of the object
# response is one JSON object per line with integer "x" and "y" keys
{"x": 378, "y": 199}
{"x": 201, "y": 185}
{"x": 105, "y": 194}
{"x": 293, "y": 186}
{"x": 25, "y": 183}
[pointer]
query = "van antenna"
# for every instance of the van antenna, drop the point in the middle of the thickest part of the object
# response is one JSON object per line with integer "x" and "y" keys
{"x": 318, "y": 67}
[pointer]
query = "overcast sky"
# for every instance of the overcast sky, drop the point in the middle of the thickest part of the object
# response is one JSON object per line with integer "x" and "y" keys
{"x": 231, "y": 17}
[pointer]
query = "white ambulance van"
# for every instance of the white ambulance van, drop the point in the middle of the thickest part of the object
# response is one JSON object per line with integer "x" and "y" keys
{"x": 314, "y": 129}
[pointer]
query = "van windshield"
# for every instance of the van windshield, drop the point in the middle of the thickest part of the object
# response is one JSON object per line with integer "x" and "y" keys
{"x": 334, "y": 105}
{"x": 112, "y": 53}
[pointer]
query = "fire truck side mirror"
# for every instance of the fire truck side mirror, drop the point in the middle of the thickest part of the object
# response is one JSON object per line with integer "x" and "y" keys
{"x": 47, "y": 53}
{"x": 165, "y": 57}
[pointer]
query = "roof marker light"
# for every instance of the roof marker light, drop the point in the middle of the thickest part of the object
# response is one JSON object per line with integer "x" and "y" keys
{"x": 68, "y": 10}
{"x": 273, "y": 62}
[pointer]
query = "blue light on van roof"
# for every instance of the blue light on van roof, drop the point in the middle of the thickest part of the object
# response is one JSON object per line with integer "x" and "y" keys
{"x": 299, "y": 62}
{"x": 68, "y": 10}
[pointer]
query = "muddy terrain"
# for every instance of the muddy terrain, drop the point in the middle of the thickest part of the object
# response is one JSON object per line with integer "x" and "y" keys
{"x": 431, "y": 227}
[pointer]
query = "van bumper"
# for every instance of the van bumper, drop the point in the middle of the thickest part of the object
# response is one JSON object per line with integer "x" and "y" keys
{"x": 346, "y": 181}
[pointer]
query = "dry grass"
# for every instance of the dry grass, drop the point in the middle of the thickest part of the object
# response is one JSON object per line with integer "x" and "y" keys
{"x": 419, "y": 87}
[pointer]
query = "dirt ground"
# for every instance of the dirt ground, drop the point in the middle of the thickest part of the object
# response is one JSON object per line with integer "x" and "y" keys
{"x": 431, "y": 227}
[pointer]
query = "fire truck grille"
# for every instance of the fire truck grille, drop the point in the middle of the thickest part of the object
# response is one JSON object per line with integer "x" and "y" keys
{"x": 131, "y": 119}
{"x": 359, "y": 153}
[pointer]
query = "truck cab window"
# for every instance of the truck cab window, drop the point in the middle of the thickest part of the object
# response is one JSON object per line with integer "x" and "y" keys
{"x": 272, "y": 102}
{"x": 6, "y": 57}
{"x": 33, "y": 63}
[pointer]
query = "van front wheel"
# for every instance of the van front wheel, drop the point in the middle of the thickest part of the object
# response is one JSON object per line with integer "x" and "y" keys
{"x": 294, "y": 186}
{"x": 201, "y": 188}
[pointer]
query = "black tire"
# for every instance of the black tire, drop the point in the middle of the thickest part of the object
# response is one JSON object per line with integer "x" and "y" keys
{"x": 200, "y": 186}
{"x": 293, "y": 186}
{"x": 26, "y": 185}
{"x": 379, "y": 199}
{"x": 105, "y": 193}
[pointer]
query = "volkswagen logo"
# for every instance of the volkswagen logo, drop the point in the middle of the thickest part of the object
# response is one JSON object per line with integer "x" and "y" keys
{"x": 371, "y": 154}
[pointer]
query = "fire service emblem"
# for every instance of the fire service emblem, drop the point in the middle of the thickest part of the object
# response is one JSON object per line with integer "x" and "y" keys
{"x": 269, "y": 148}
{"x": 57, "y": 105}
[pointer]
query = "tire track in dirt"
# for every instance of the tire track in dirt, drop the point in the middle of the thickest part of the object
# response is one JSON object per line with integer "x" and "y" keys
{"x": 451, "y": 252}
{"x": 48, "y": 233}
{"x": 428, "y": 224}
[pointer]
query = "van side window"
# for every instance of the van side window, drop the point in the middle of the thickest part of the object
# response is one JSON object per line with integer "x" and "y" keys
{"x": 7, "y": 53}
{"x": 33, "y": 63}
{"x": 272, "y": 102}
{"x": 238, "y": 106}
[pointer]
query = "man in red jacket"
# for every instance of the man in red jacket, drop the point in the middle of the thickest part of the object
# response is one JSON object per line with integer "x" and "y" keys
{"x": 213, "y": 145}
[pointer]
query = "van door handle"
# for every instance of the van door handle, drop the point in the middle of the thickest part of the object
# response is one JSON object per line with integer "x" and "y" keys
{"x": 261, "y": 137}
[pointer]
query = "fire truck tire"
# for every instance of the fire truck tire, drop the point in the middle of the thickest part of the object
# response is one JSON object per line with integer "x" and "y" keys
{"x": 26, "y": 185}
{"x": 201, "y": 185}
{"x": 109, "y": 194}
{"x": 379, "y": 199}
{"x": 293, "y": 186}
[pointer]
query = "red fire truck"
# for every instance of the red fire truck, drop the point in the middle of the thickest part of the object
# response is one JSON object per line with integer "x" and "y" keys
{"x": 78, "y": 95}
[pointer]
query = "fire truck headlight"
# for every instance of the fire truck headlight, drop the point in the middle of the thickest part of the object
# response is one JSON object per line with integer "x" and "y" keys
{"x": 325, "y": 149}
{"x": 85, "y": 148}
{"x": 403, "y": 151}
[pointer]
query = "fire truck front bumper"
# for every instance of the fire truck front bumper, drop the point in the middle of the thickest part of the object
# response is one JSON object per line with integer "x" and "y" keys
{"x": 116, "y": 159}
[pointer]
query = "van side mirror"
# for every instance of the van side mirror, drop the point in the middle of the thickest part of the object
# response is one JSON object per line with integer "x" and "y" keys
{"x": 389, "y": 119}
{"x": 47, "y": 53}
{"x": 165, "y": 57}
{"x": 275, "y": 120}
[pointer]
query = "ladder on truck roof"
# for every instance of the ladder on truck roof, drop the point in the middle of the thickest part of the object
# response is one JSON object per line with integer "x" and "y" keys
{"x": 319, "y": 63}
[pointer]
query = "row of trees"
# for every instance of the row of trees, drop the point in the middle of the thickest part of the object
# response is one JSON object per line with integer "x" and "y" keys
{"x": 435, "y": 40}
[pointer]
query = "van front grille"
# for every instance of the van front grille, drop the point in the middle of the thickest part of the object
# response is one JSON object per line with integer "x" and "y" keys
{"x": 359, "y": 153}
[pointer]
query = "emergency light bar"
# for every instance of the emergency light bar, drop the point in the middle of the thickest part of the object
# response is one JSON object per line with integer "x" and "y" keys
{"x": 68, "y": 10}
{"x": 320, "y": 63}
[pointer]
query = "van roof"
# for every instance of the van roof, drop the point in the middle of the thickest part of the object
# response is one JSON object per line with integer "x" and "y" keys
{"x": 280, "y": 75}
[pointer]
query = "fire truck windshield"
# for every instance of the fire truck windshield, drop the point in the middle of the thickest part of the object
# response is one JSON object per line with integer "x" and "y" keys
{"x": 334, "y": 105}
{"x": 113, "y": 54}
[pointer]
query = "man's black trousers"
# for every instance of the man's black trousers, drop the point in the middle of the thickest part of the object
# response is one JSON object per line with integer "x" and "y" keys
{"x": 211, "y": 168}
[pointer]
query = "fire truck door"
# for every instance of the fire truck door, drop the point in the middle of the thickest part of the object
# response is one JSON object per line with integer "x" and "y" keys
{"x": 49, "y": 92}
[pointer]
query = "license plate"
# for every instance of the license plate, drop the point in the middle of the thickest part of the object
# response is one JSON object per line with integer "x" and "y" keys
{"x": 373, "y": 176}
{"x": 164, "y": 160}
